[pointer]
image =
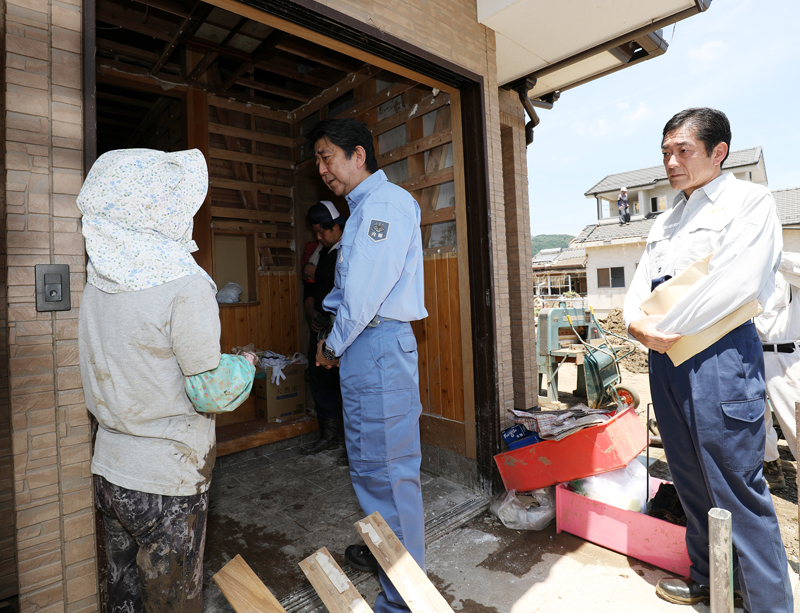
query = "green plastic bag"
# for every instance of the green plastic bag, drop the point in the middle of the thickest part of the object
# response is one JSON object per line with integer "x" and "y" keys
{"x": 223, "y": 389}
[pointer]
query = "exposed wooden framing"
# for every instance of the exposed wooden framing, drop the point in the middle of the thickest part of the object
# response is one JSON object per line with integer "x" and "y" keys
{"x": 274, "y": 68}
{"x": 244, "y": 590}
{"x": 271, "y": 89}
{"x": 249, "y": 108}
{"x": 395, "y": 89}
{"x": 250, "y": 158}
{"x": 135, "y": 73}
{"x": 436, "y": 160}
{"x": 261, "y": 137}
{"x": 158, "y": 107}
{"x": 273, "y": 243}
{"x": 245, "y": 226}
{"x": 403, "y": 571}
{"x": 436, "y": 139}
{"x": 464, "y": 289}
{"x": 155, "y": 27}
{"x": 335, "y": 590}
{"x": 187, "y": 29}
{"x": 259, "y": 54}
{"x": 116, "y": 48}
{"x": 403, "y": 114}
{"x": 438, "y": 215}
{"x": 326, "y": 42}
{"x": 231, "y": 213}
{"x": 197, "y": 116}
{"x": 165, "y": 5}
{"x": 211, "y": 56}
{"x": 207, "y": 45}
{"x": 428, "y": 180}
{"x": 124, "y": 100}
{"x": 250, "y": 186}
{"x": 120, "y": 78}
{"x": 321, "y": 56}
{"x": 348, "y": 83}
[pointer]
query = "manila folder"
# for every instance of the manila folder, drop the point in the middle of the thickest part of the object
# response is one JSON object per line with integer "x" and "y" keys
{"x": 668, "y": 293}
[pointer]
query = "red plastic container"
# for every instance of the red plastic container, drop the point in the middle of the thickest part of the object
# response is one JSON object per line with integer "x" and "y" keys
{"x": 590, "y": 451}
{"x": 640, "y": 536}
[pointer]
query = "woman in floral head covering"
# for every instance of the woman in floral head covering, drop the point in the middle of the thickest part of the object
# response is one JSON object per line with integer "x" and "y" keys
{"x": 149, "y": 320}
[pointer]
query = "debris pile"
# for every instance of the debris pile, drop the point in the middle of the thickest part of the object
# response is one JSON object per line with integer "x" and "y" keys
{"x": 635, "y": 362}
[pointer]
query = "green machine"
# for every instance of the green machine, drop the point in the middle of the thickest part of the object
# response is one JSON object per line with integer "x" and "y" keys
{"x": 573, "y": 335}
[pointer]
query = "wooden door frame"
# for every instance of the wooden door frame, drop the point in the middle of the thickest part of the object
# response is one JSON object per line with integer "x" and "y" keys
{"x": 318, "y": 23}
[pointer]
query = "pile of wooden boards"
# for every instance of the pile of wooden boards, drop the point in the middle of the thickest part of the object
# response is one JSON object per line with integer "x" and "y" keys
{"x": 248, "y": 594}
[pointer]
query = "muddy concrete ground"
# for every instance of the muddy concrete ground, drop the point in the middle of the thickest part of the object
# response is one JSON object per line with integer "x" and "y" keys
{"x": 785, "y": 499}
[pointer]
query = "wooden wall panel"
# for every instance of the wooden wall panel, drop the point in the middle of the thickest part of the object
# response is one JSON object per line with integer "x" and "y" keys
{"x": 441, "y": 381}
{"x": 270, "y": 324}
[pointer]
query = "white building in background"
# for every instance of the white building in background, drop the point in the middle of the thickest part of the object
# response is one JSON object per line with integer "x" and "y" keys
{"x": 613, "y": 250}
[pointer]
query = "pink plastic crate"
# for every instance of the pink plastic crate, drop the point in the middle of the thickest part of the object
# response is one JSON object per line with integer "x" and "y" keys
{"x": 640, "y": 536}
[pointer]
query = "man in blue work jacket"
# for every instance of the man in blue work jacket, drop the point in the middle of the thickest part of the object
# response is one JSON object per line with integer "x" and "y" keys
{"x": 378, "y": 290}
{"x": 710, "y": 408}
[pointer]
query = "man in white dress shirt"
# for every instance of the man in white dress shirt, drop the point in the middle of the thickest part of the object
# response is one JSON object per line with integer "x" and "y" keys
{"x": 779, "y": 329}
{"x": 710, "y": 408}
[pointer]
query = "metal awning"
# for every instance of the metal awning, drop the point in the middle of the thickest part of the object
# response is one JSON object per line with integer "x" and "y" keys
{"x": 564, "y": 43}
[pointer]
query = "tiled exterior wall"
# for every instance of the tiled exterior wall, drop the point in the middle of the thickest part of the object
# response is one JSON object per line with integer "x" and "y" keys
{"x": 520, "y": 273}
{"x": 50, "y": 424}
{"x": 8, "y": 561}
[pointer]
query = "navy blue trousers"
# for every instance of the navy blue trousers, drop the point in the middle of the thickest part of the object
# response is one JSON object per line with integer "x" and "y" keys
{"x": 380, "y": 393}
{"x": 710, "y": 413}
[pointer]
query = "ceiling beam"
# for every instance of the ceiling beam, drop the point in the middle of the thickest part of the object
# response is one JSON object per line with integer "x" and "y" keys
{"x": 261, "y": 52}
{"x": 211, "y": 56}
{"x": 187, "y": 29}
{"x": 174, "y": 8}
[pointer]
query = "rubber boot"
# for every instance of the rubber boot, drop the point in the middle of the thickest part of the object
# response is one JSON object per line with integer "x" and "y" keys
{"x": 328, "y": 438}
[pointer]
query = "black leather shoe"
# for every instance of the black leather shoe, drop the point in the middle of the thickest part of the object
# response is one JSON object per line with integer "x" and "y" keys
{"x": 682, "y": 591}
{"x": 361, "y": 558}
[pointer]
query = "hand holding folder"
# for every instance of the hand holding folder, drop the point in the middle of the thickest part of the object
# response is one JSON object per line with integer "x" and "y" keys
{"x": 666, "y": 295}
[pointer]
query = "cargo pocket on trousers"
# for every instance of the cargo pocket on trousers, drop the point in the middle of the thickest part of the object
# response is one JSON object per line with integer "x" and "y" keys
{"x": 387, "y": 430}
{"x": 742, "y": 450}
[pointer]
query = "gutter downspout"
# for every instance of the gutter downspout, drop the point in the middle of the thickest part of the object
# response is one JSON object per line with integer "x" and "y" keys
{"x": 528, "y": 104}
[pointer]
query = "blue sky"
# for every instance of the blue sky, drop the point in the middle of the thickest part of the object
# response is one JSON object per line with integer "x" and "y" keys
{"x": 740, "y": 56}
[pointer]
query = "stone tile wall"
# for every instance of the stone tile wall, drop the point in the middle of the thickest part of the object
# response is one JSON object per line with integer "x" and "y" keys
{"x": 50, "y": 424}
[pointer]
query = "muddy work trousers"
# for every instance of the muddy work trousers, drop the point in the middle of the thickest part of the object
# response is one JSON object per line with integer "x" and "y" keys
{"x": 154, "y": 549}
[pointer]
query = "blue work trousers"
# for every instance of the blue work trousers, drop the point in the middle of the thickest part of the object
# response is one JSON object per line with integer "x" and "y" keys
{"x": 380, "y": 395}
{"x": 710, "y": 413}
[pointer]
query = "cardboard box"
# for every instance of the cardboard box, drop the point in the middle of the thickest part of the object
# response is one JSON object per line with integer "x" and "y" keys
{"x": 640, "y": 536}
{"x": 283, "y": 401}
{"x": 591, "y": 451}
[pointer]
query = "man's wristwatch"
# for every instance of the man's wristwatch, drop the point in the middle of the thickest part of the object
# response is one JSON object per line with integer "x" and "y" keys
{"x": 328, "y": 353}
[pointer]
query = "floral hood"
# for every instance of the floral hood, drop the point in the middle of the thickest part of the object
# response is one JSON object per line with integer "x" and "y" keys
{"x": 138, "y": 207}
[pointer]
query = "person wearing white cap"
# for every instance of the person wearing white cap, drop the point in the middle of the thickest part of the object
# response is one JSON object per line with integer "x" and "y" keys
{"x": 327, "y": 224}
{"x": 622, "y": 205}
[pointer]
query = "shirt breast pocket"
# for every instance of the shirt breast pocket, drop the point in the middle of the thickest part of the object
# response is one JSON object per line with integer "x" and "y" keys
{"x": 708, "y": 231}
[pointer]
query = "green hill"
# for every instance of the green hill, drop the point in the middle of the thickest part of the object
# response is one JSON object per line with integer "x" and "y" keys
{"x": 549, "y": 241}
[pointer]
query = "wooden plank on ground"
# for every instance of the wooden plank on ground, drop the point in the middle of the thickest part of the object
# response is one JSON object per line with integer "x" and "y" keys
{"x": 403, "y": 571}
{"x": 244, "y": 590}
{"x": 233, "y": 213}
{"x": 335, "y": 590}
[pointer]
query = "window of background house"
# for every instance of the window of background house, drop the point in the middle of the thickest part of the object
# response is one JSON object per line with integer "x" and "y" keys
{"x": 658, "y": 203}
{"x": 635, "y": 210}
{"x": 611, "y": 277}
